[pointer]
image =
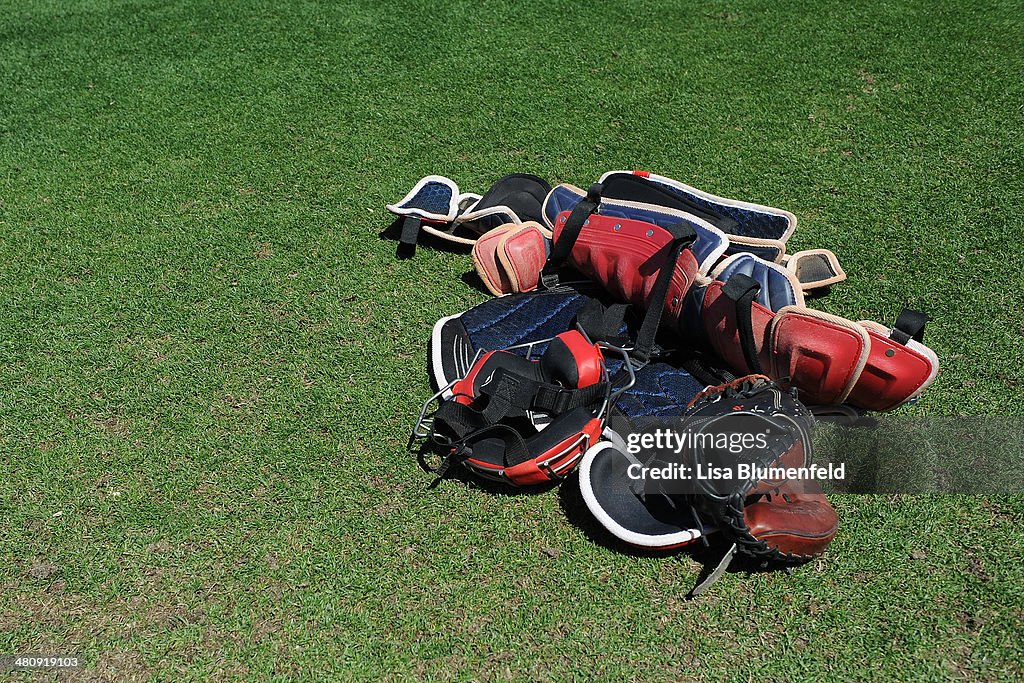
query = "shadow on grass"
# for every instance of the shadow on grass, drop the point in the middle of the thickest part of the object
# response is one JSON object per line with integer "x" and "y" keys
{"x": 393, "y": 232}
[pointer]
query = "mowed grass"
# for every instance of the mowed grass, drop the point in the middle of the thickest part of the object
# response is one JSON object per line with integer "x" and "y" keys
{"x": 209, "y": 361}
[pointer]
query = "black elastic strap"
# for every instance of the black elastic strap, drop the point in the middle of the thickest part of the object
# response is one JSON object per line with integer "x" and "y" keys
{"x": 553, "y": 399}
{"x": 742, "y": 290}
{"x": 682, "y": 237}
{"x": 516, "y": 450}
{"x": 603, "y": 323}
{"x": 909, "y": 325}
{"x": 507, "y": 395}
{"x": 511, "y": 395}
{"x": 705, "y": 374}
{"x": 409, "y": 236}
{"x": 454, "y": 420}
{"x": 569, "y": 234}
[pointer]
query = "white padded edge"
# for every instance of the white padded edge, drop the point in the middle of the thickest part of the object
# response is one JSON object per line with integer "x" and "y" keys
{"x": 437, "y": 368}
{"x": 426, "y": 227}
{"x": 790, "y": 218}
{"x": 547, "y": 198}
{"x": 453, "y": 203}
{"x": 702, "y": 280}
{"x": 930, "y": 355}
{"x": 793, "y": 282}
{"x": 544, "y": 204}
{"x": 617, "y": 530}
{"x": 703, "y": 266}
{"x": 467, "y": 200}
{"x": 778, "y": 245}
{"x": 835, "y": 319}
{"x": 473, "y": 215}
{"x": 877, "y": 328}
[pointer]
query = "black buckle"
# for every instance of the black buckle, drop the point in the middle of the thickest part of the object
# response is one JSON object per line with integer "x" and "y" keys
{"x": 549, "y": 280}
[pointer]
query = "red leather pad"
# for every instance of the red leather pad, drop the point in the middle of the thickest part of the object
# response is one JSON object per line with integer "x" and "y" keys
{"x": 889, "y": 380}
{"x": 719, "y": 316}
{"x": 485, "y": 259}
{"x": 822, "y": 355}
{"x": 625, "y": 255}
{"x": 530, "y": 473}
{"x": 464, "y": 390}
{"x": 522, "y": 254}
{"x": 588, "y": 358}
{"x": 792, "y": 521}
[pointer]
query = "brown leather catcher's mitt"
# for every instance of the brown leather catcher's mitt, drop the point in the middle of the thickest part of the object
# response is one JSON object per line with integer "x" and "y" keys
{"x": 753, "y": 431}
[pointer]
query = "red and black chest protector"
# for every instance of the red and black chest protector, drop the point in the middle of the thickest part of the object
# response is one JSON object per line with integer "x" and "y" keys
{"x": 486, "y": 424}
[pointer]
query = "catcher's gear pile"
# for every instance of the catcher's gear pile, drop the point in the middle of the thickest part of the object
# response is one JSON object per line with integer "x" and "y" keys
{"x": 689, "y": 310}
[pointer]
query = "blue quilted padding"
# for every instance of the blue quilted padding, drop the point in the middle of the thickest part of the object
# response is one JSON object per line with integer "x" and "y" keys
{"x": 564, "y": 199}
{"x": 434, "y": 199}
{"x": 660, "y": 391}
{"x": 776, "y": 289}
{"x": 752, "y": 223}
{"x": 561, "y": 199}
{"x": 521, "y": 318}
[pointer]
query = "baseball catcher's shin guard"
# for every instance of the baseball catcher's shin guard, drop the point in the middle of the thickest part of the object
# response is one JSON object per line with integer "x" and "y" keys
{"x": 707, "y": 247}
{"x": 753, "y": 316}
{"x": 491, "y": 425}
{"x": 625, "y": 256}
{"x": 751, "y": 228}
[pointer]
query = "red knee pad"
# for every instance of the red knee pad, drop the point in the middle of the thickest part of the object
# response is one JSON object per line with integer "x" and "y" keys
{"x": 624, "y": 256}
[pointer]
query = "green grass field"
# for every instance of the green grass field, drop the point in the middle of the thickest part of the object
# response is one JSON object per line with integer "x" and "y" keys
{"x": 209, "y": 360}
